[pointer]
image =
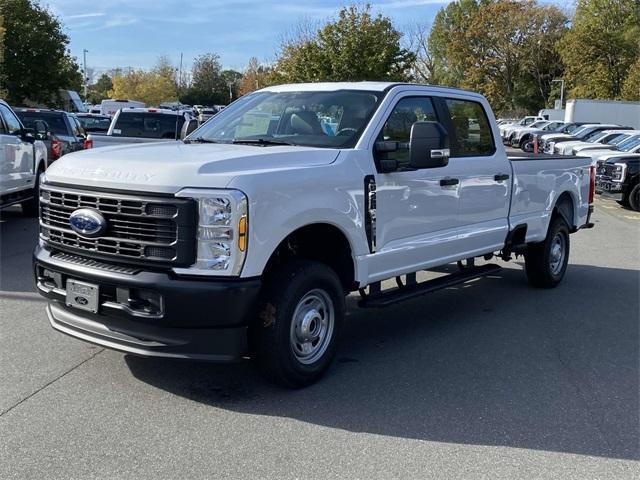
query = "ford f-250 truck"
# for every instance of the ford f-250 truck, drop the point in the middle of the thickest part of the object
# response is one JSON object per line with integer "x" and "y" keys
{"x": 244, "y": 239}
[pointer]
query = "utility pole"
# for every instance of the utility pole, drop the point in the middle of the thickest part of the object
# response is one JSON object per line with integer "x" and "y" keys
{"x": 561, "y": 81}
{"x": 230, "y": 84}
{"x": 180, "y": 75}
{"x": 84, "y": 73}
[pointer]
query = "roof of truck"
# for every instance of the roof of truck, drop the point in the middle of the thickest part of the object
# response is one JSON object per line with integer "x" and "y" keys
{"x": 365, "y": 86}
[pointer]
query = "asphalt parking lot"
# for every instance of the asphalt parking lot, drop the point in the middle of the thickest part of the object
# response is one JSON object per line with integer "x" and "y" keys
{"x": 491, "y": 380}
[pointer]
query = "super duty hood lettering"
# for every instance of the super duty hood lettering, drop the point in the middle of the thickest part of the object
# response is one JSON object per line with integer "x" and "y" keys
{"x": 107, "y": 174}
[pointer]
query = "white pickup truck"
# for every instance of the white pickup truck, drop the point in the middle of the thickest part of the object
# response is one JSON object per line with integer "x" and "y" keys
{"x": 244, "y": 239}
{"x": 22, "y": 159}
{"x": 144, "y": 125}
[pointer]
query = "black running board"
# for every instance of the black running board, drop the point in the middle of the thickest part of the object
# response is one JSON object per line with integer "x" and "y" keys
{"x": 401, "y": 294}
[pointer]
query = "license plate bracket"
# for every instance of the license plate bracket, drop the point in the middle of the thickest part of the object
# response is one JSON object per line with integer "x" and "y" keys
{"x": 82, "y": 295}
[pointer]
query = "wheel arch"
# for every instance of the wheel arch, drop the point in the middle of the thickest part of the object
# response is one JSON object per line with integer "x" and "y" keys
{"x": 321, "y": 241}
{"x": 565, "y": 207}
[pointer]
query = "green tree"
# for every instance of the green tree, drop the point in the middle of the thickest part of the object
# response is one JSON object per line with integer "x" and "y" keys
{"x": 207, "y": 85}
{"x": 601, "y": 46}
{"x": 356, "y": 46}
{"x": 100, "y": 90}
{"x": 505, "y": 49}
{"x": 631, "y": 87}
{"x": 3, "y": 92}
{"x": 36, "y": 63}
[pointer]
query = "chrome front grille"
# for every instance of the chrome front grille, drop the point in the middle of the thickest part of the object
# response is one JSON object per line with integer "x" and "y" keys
{"x": 140, "y": 229}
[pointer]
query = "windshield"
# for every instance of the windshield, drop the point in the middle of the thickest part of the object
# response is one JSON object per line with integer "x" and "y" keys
{"x": 55, "y": 121}
{"x": 148, "y": 125}
{"x": 316, "y": 119}
{"x": 629, "y": 144}
{"x": 619, "y": 139}
{"x": 539, "y": 124}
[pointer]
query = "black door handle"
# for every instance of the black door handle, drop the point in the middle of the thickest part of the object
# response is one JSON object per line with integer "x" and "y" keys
{"x": 501, "y": 177}
{"x": 446, "y": 182}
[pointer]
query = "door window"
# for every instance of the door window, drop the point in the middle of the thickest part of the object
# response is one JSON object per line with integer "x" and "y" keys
{"x": 12, "y": 122}
{"x": 397, "y": 128}
{"x": 473, "y": 136}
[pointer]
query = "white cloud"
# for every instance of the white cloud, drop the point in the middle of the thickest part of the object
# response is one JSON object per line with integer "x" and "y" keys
{"x": 85, "y": 15}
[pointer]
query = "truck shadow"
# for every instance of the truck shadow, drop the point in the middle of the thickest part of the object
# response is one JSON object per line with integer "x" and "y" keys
{"x": 492, "y": 362}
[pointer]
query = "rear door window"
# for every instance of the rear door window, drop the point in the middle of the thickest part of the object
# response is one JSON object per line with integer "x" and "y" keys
{"x": 473, "y": 136}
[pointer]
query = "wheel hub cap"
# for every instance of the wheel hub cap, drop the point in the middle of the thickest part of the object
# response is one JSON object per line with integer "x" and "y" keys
{"x": 556, "y": 255}
{"x": 312, "y": 326}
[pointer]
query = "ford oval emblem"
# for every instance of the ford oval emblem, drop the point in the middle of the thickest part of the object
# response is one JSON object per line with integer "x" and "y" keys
{"x": 87, "y": 222}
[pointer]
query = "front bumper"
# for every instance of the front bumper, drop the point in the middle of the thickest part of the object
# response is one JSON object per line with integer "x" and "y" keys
{"x": 609, "y": 189}
{"x": 201, "y": 319}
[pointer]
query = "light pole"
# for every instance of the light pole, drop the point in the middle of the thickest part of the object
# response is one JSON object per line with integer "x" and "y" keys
{"x": 561, "y": 90}
{"x": 230, "y": 84}
{"x": 84, "y": 54}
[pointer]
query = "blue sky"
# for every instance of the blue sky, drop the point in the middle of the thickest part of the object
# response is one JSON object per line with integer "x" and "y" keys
{"x": 134, "y": 33}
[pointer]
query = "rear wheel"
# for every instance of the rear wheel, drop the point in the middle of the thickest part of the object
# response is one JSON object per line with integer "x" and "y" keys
{"x": 546, "y": 262}
{"x": 634, "y": 198}
{"x": 301, "y": 312}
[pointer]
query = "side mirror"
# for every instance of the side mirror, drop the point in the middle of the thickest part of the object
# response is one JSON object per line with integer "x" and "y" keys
{"x": 28, "y": 135}
{"x": 428, "y": 146}
{"x": 41, "y": 129}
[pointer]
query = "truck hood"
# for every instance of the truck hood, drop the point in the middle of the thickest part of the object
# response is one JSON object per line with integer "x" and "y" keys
{"x": 169, "y": 167}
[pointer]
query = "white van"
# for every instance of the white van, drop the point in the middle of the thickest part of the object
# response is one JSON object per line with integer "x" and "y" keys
{"x": 110, "y": 107}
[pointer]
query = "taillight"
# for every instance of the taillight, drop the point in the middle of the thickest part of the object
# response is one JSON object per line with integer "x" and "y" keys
{"x": 592, "y": 183}
{"x": 88, "y": 143}
{"x": 56, "y": 149}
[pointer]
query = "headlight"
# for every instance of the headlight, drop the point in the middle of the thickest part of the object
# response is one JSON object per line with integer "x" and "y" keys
{"x": 619, "y": 172}
{"x": 222, "y": 232}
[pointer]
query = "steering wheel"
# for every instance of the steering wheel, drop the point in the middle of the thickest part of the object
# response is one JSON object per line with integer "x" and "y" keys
{"x": 346, "y": 130}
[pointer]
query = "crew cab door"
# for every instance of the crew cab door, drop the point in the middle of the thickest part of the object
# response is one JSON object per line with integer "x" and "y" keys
{"x": 16, "y": 155}
{"x": 416, "y": 216}
{"x": 485, "y": 178}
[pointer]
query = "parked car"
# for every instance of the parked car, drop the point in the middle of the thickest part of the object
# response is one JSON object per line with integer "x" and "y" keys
{"x": 111, "y": 106}
{"x": 94, "y": 123}
{"x": 65, "y": 132}
{"x": 530, "y": 141}
{"x": 613, "y": 141}
{"x": 602, "y": 139}
{"x": 584, "y": 133}
{"x": 618, "y": 177}
{"x": 206, "y": 113}
{"x": 144, "y": 125}
{"x": 520, "y": 136}
{"x": 630, "y": 145}
{"x": 245, "y": 238}
{"x": 510, "y": 132}
{"x": 22, "y": 159}
{"x": 523, "y": 122}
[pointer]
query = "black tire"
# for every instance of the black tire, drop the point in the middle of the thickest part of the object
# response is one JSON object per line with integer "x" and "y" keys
{"x": 30, "y": 207}
{"x": 276, "y": 343}
{"x": 542, "y": 266}
{"x": 634, "y": 198}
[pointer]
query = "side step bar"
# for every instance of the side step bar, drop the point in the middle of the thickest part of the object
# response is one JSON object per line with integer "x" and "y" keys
{"x": 412, "y": 290}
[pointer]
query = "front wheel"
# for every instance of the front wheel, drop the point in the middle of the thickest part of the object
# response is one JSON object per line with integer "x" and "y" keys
{"x": 634, "y": 198}
{"x": 546, "y": 262}
{"x": 301, "y": 312}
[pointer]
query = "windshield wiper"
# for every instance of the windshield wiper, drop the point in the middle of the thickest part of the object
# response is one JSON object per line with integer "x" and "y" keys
{"x": 199, "y": 140}
{"x": 260, "y": 141}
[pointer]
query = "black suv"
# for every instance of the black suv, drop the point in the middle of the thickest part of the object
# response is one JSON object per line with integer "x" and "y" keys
{"x": 619, "y": 178}
{"x": 65, "y": 132}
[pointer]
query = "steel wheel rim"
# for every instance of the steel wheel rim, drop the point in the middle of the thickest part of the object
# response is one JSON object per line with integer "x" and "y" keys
{"x": 557, "y": 253}
{"x": 312, "y": 326}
